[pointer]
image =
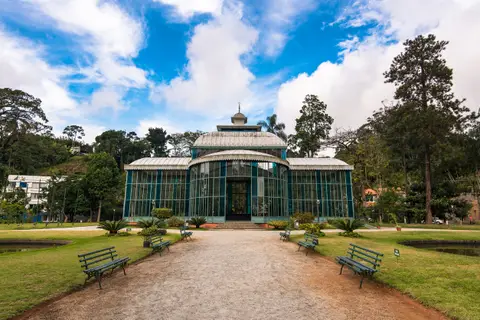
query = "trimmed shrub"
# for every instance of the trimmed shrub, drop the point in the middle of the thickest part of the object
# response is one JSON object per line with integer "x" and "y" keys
{"x": 278, "y": 224}
{"x": 314, "y": 228}
{"x": 304, "y": 217}
{"x": 150, "y": 231}
{"x": 197, "y": 221}
{"x": 175, "y": 222}
{"x": 162, "y": 213}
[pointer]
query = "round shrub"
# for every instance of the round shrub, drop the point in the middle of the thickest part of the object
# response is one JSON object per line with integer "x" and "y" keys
{"x": 278, "y": 224}
{"x": 162, "y": 213}
{"x": 314, "y": 228}
{"x": 304, "y": 217}
{"x": 175, "y": 222}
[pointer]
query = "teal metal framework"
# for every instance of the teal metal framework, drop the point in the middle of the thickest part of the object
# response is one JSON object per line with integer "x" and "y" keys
{"x": 273, "y": 191}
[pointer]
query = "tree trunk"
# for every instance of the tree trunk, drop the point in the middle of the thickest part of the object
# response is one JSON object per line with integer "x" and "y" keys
{"x": 99, "y": 211}
{"x": 91, "y": 215}
{"x": 428, "y": 187}
{"x": 405, "y": 175}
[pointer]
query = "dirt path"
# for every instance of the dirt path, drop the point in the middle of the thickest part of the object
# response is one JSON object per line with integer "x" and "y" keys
{"x": 234, "y": 275}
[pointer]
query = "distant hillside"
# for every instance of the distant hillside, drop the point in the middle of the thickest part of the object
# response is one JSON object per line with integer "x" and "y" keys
{"x": 76, "y": 164}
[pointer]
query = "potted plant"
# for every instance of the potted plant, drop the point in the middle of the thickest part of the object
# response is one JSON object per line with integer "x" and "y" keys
{"x": 146, "y": 234}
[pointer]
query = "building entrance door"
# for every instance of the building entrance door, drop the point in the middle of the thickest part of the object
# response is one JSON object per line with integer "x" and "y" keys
{"x": 238, "y": 200}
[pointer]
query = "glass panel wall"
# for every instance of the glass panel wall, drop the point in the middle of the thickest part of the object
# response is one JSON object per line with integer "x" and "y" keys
{"x": 332, "y": 188}
{"x": 267, "y": 188}
{"x": 156, "y": 188}
{"x": 207, "y": 189}
{"x": 271, "y": 195}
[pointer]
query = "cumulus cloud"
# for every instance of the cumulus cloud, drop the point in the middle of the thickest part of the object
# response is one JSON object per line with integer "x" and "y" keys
{"x": 23, "y": 67}
{"x": 104, "y": 31}
{"x": 279, "y": 18}
{"x": 216, "y": 77}
{"x": 354, "y": 86}
{"x": 185, "y": 9}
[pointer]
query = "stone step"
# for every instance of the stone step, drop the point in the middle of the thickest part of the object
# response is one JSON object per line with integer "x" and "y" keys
{"x": 238, "y": 225}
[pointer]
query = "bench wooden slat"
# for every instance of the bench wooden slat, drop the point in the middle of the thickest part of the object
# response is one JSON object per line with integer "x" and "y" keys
{"x": 376, "y": 258}
{"x": 99, "y": 260}
{"x": 89, "y": 253}
{"x": 363, "y": 258}
{"x": 371, "y": 251}
{"x": 86, "y": 259}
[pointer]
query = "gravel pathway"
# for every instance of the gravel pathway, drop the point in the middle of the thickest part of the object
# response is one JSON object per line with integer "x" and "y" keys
{"x": 233, "y": 275}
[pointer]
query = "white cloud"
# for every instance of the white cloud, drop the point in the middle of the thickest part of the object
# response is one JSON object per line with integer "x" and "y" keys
{"x": 105, "y": 31}
{"x": 22, "y": 67}
{"x": 215, "y": 78}
{"x": 279, "y": 18}
{"x": 354, "y": 87}
{"x": 188, "y": 8}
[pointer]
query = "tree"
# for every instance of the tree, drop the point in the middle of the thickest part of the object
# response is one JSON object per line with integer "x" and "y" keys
{"x": 74, "y": 132}
{"x": 179, "y": 146}
{"x": 158, "y": 138}
{"x": 424, "y": 88}
{"x": 312, "y": 126}
{"x": 20, "y": 113}
{"x": 190, "y": 138}
{"x": 272, "y": 126}
{"x": 103, "y": 178}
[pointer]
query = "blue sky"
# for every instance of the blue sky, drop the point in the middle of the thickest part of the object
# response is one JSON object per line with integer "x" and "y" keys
{"x": 185, "y": 64}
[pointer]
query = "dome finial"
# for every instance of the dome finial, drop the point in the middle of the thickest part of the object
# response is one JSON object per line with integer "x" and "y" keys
{"x": 239, "y": 107}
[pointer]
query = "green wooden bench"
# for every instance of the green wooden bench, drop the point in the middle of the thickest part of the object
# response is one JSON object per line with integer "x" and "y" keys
{"x": 157, "y": 244}
{"x": 366, "y": 263}
{"x": 285, "y": 235}
{"x": 184, "y": 234}
{"x": 310, "y": 242}
{"x": 94, "y": 264}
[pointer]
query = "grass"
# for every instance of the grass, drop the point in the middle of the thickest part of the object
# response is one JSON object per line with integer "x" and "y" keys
{"x": 27, "y": 226}
{"x": 447, "y": 282}
{"x": 30, "y": 277}
{"x": 465, "y": 226}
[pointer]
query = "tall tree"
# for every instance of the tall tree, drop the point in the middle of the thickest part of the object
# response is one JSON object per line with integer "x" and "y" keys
{"x": 313, "y": 126}
{"x": 178, "y": 143}
{"x": 103, "y": 178}
{"x": 20, "y": 113}
{"x": 271, "y": 125}
{"x": 190, "y": 138}
{"x": 74, "y": 132}
{"x": 424, "y": 86}
{"x": 158, "y": 138}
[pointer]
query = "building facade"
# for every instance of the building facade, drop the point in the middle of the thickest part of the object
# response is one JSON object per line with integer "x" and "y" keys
{"x": 239, "y": 173}
{"x": 32, "y": 185}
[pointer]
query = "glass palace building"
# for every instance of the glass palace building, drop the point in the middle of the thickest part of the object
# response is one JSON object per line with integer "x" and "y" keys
{"x": 239, "y": 173}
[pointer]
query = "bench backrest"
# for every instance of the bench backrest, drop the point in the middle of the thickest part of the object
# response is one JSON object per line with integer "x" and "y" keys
{"x": 183, "y": 229}
{"x": 156, "y": 239}
{"x": 311, "y": 237}
{"x": 366, "y": 255}
{"x": 94, "y": 258}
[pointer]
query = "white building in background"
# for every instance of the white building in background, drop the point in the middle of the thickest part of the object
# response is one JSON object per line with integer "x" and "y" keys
{"x": 33, "y": 186}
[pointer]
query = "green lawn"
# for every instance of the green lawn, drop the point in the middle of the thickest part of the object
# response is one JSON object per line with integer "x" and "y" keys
{"x": 28, "y": 278}
{"x": 447, "y": 282}
{"x": 465, "y": 226}
{"x": 26, "y": 226}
